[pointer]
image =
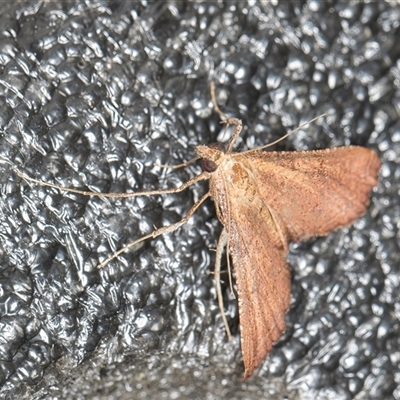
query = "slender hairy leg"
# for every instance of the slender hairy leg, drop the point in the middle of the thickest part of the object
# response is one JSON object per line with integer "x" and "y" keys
{"x": 238, "y": 125}
{"x": 238, "y": 128}
{"x": 159, "y": 231}
{"x": 201, "y": 177}
{"x": 154, "y": 234}
{"x": 215, "y": 104}
{"x": 226, "y": 119}
{"x": 222, "y": 242}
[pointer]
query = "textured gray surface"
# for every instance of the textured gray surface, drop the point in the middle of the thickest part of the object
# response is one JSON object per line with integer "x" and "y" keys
{"x": 92, "y": 96}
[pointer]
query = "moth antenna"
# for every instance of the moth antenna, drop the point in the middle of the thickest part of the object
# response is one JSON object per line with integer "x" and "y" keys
{"x": 197, "y": 178}
{"x": 158, "y": 232}
{"x": 185, "y": 164}
{"x": 287, "y": 135}
{"x": 222, "y": 242}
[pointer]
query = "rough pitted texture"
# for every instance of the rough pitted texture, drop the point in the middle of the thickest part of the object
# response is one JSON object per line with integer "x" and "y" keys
{"x": 95, "y": 95}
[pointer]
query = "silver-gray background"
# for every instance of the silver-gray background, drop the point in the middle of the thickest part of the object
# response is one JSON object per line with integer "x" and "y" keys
{"x": 94, "y": 95}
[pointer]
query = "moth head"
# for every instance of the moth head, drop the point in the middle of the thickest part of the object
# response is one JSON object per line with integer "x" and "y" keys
{"x": 211, "y": 156}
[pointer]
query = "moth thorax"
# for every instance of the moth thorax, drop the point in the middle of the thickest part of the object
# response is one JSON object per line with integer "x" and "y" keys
{"x": 210, "y": 156}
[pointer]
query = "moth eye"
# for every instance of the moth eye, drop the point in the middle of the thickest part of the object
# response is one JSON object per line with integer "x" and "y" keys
{"x": 208, "y": 165}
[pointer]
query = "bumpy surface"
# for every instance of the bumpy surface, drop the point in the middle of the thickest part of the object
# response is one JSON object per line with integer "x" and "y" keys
{"x": 95, "y": 95}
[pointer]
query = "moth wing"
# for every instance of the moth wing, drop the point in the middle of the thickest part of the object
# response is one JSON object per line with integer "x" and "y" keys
{"x": 262, "y": 278}
{"x": 314, "y": 192}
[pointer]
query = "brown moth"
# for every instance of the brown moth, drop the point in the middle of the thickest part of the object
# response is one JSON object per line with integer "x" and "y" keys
{"x": 265, "y": 200}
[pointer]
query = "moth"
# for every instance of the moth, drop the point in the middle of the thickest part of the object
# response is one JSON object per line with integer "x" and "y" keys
{"x": 265, "y": 200}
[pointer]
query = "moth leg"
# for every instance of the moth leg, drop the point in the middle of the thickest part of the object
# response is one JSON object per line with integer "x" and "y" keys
{"x": 228, "y": 263}
{"x": 222, "y": 242}
{"x": 238, "y": 128}
{"x": 226, "y": 119}
{"x": 160, "y": 231}
{"x": 223, "y": 116}
{"x": 197, "y": 178}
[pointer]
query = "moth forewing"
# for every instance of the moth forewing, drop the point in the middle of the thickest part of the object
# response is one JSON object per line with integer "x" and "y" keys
{"x": 265, "y": 200}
